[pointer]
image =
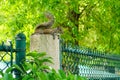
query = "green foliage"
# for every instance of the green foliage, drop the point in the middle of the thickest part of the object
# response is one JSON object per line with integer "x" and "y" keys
{"x": 36, "y": 68}
{"x": 92, "y": 23}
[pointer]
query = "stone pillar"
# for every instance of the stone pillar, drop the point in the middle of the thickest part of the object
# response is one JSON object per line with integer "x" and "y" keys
{"x": 46, "y": 43}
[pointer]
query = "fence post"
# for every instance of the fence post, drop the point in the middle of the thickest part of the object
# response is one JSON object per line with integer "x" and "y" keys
{"x": 49, "y": 44}
{"x": 20, "y": 51}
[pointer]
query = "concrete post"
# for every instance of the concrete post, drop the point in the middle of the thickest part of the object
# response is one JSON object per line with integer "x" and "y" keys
{"x": 47, "y": 43}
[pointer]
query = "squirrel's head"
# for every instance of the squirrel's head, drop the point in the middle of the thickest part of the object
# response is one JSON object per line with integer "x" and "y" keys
{"x": 59, "y": 29}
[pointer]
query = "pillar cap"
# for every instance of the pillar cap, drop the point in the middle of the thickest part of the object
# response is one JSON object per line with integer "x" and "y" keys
{"x": 20, "y": 36}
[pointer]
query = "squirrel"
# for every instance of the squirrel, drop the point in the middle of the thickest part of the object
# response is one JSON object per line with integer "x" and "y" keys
{"x": 47, "y": 25}
{"x": 45, "y": 28}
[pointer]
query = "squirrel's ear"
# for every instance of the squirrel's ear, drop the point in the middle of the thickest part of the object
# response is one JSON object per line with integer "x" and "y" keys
{"x": 60, "y": 29}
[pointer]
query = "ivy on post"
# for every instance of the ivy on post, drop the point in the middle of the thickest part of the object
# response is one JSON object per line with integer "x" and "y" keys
{"x": 20, "y": 51}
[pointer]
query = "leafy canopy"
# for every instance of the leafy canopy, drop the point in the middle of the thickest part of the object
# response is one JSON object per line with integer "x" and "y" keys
{"x": 92, "y": 23}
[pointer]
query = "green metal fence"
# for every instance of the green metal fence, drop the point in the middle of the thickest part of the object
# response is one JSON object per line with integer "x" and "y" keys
{"x": 10, "y": 56}
{"x": 92, "y": 64}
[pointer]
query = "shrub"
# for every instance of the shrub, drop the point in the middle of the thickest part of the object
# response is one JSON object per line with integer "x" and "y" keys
{"x": 35, "y": 68}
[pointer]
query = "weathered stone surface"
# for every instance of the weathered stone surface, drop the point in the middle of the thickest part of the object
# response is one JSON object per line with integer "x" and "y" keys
{"x": 46, "y": 43}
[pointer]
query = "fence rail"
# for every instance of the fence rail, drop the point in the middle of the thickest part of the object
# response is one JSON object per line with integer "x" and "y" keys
{"x": 94, "y": 65}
